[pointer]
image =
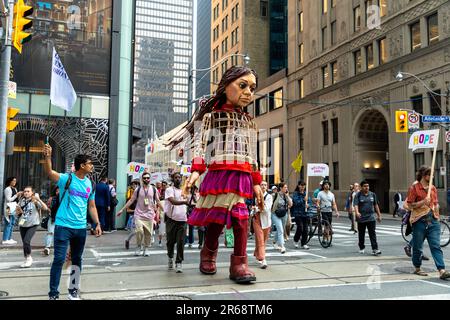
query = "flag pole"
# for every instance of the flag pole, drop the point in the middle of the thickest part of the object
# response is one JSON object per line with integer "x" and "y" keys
{"x": 48, "y": 119}
{"x": 432, "y": 169}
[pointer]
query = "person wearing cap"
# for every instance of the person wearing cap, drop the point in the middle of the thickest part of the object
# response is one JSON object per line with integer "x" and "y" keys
{"x": 274, "y": 190}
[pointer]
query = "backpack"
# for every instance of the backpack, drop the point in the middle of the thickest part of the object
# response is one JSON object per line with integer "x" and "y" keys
{"x": 113, "y": 200}
{"x": 154, "y": 194}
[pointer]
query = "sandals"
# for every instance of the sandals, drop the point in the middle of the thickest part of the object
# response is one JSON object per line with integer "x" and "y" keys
{"x": 445, "y": 276}
{"x": 423, "y": 273}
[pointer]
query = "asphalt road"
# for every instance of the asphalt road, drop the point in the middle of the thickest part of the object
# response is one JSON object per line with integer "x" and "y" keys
{"x": 339, "y": 272}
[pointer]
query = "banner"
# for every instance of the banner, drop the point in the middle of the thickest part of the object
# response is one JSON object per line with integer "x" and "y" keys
{"x": 185, "y": 170}
{"x": 136, "y": 169}
{"x": 318, "y": 170}
{"x": 424, "y": 139}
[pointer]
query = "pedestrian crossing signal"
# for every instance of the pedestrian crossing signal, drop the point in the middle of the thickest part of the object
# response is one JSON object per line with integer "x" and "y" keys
{"x": 401, "y": 121}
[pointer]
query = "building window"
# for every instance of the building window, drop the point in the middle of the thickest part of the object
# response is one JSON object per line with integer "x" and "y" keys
{"x": 237, "y": 11}
{"x": 216, "y": 12}
{"x": 333, "y": 3}
{"x": 224, "y": 4}
{"x": 438, "y": 179}
{"x": 216, "y": 76}
{"x": 324, "y": 6}
{"x": 419, "y": 160}
{"x": 301, "y": 88}
{"x": 415, "y": 36}
{"x": 336, "y": 175}
{"x": 300, "y": 22}
{"x": 356, "y": 18}
{"x": 324, "y": 38}
{"x": 417, "y": 106}
{"x": 334, "y": 125}
{"x": 224, "y": 66}
{"x": 357, "y": 60}
{"x": 325, "y": 77}
{"x": 333, "y": 33}
{"x": 276, "y": 153}
{"x": 334, "y": 72}
{"x": 383, "y": 7}
{"x": 234, "y": 37}
{"x": 382, "y": 51}
{"x": 325, "y": 132}
{"x": 300, "y": 53}
{"x": 216, "y": 54}
{"x": 433, "y": 29}
{"x": 216, "y": 33}
{"x": 369, "y": 57}
{"x": 435, "y": 103}
{"x": 264, "y": 8}
{"x": 301, "y": 145}
{"x": 225, "y": 24}
{"x": 224, "y": 46}
{"x": 276, "y": 99}
{"x": 261, "y": 106}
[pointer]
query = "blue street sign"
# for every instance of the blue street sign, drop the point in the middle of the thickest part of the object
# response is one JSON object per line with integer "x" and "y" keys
{"x": 445, "y": 119}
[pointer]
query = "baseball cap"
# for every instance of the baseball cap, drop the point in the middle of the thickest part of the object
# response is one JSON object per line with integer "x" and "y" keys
{"x": 273, "y": 187}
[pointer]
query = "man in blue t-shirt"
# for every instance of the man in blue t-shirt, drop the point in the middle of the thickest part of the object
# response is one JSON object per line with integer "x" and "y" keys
{"x": 70, "y": 223}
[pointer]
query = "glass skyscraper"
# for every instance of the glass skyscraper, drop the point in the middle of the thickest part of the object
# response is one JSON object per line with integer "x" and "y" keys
{"x": 163, "y": 52}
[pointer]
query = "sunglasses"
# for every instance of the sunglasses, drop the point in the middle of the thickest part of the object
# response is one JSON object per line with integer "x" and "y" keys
{"x": 146, "y": 178}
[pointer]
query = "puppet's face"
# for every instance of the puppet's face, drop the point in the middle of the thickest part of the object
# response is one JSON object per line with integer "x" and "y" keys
{"x": 240, "y": 92}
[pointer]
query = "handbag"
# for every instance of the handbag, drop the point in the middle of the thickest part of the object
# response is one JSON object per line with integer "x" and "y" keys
{"x": 44, "y": 222}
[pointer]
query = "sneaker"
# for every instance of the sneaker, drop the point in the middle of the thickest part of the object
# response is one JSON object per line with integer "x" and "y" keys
{"x": 376, "y": 252}
{"x": 127, "y": 244}
{"x": 200, "y": 246}
{"x": 361, "y": 251}
{"x": 276, "y": 246}
{"x": 263, "y": 264}
{"x": 139, "y": 251}
{"x": 146, "y": 252}
{"x": 283, "y": 249}
{"x": 47, "y": 251}
{"x": 179, "y": 267}
{"x": 160, "y": 244}
{"x": 407, "y": 250}
{"x": 28, "y": 262}
{"x": 296, "y": 244}
{"x": 12, "y": 241}
{"x": 73, "y": 295}
{"x": 305, "y": 247}
{"x": 53, "y": 298}
{"x": 190, "y": 245}
{"x": 170, "y": 264}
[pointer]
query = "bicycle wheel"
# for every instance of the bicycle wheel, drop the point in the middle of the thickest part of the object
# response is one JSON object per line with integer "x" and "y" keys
{"x": 327, "y": 235}
{"x": 408, "y": 237}
{"x": 445, "y": 234}
{"x": 311, "y": 230}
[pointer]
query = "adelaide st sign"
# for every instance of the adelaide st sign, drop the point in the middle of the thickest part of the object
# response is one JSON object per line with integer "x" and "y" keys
{"x": 444, "y": 119}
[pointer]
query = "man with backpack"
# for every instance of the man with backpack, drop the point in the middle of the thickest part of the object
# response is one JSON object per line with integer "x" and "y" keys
{"x": 366, "y": 204}
{"x": 77, "y": 197}
{"x": 145, "y": 213}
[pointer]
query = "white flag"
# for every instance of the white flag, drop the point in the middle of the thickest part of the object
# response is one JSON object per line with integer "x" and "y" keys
{"x": 62, "y": 93}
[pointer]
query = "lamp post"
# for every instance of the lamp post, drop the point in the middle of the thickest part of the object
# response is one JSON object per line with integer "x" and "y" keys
{"x": 191, "y": 71}
{"x": 400, "y": 76}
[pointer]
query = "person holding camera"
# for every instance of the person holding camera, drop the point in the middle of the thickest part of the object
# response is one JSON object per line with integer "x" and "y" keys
{"x": 29, "y": 219}
{"x": 281, "y": 204}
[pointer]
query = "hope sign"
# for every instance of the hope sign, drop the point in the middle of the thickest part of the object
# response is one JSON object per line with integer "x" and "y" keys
{"x": 424, "y": 139}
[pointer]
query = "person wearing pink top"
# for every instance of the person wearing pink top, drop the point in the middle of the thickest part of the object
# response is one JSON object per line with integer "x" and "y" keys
{"x": 145, "y": 212}
{"x": 176, "y": 217}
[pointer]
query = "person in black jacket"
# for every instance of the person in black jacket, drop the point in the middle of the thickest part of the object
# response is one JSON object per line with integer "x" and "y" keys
{"x": 102, "y": 201}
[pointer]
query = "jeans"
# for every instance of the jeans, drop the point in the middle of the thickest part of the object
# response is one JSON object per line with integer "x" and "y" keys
{"x": 190, "y": 237}
{"x": 8, "y": 229}
{"x": 427, "y": 228}
{"x": 50, "y": 233}
{"x": 101, "y": 218}
{"x": 371, "y": 226}
{"x": 63, "y": 237}
{"x": 280, "y": 224}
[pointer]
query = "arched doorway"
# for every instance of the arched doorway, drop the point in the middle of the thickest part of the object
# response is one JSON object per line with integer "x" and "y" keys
{"x": 26, "y": 163}
{"x": 372, "y": 147}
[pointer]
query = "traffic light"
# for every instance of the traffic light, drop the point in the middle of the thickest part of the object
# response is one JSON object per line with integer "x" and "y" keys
{"x": 401, "y": 121}
{"x": 11, "y": 124}
{"x": 20, "y": 24}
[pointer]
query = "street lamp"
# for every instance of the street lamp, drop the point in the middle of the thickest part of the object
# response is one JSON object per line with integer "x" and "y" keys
{"x": 246, "y": 59}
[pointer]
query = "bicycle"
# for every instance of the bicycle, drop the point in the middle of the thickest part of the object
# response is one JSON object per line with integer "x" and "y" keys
{"x": 445, "y": 232}
{"x": 325, "y": 231}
